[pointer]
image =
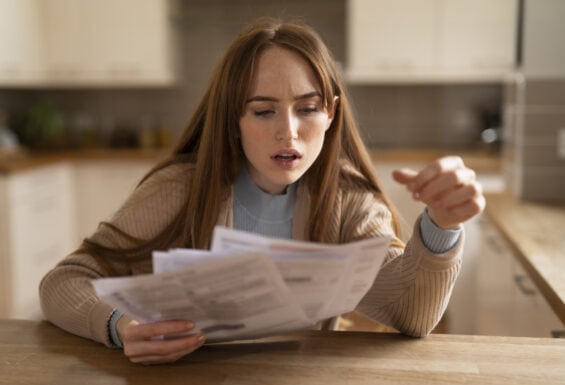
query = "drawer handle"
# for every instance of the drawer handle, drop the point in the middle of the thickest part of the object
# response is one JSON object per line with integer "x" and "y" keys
{"x": 524, "y": 289}
{"x": 558, "y": 333}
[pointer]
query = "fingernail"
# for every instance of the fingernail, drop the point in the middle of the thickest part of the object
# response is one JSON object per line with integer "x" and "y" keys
{"x": 201, "y": 338}
{"x": 189, "y": 325}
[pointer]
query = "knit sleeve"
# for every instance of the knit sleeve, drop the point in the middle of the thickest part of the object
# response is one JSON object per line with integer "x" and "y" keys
{"x": 435, "y": 238}
{"x": 414, "y": 285}
{"x": 66, "y": 295}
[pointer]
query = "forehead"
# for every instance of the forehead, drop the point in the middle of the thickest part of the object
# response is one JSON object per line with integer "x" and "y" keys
{"x": 280, "y": 72}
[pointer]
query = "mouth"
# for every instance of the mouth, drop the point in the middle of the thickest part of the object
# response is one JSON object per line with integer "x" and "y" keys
{"x": 287, "y": 159}
{"x": 286, "y": 155}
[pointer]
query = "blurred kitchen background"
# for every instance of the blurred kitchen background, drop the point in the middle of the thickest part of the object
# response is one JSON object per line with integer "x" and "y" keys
{"x": 92, "y": 93}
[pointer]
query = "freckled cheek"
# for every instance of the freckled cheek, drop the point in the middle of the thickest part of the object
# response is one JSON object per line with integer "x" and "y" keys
{"x": 253, "y": 135}
{"x": 314, "y": 134}
{"x": 314, "y": 146}
{"x": 255, "y": 144}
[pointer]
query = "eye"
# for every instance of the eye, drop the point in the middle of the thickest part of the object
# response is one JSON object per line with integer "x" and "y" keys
{"x": 263, "y": 112}
{"x": 308, "y": 110}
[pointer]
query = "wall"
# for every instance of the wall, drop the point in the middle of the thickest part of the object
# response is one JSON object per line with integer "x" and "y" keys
{"x": 390, "y": 116}
{"x": 534, "y": 105}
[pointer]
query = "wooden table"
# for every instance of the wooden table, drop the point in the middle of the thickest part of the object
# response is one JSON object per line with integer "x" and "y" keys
{"x": 39, "y": 353}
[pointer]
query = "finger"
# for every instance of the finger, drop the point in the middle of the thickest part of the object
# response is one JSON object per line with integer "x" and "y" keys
{"x": 150, "y": 330}
{"x": 450, "y": 218}
{"x": 163, "y": 348}
{"x": 460, "y": 196}
{"x": 404, "y": 175}
{"x": 156, "y": 360}
{"x": 468, "y": 209}
{"x": 443, "y": 184}
{"x": 432, "y": 170}
{"x": 160, "y": 359}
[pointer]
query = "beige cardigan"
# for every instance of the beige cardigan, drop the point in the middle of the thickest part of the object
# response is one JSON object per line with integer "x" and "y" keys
{"x": 410, "y": 293}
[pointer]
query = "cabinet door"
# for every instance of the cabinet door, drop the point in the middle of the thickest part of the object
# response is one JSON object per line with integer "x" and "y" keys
{"x": 431, "y": 40}
{"x": 495, "y": 302}
{"x": 543, "y": 48}
{"x": 532, "y": 314}
{"x": 101, "y": 188}
{"x": 20, "y": 56}
{"x": 108, "y": 42}
{"x": 477, "y": 36}
{"x": 391, "y": 36}
{"x": 5, "y": 278}
{"x": 508, "y": 302}
{"x": 40, "y": 220}
{"x": 65, "y": 42}
{"x": 131, "y": 40}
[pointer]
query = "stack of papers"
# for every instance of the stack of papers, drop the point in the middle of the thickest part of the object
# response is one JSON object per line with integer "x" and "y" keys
{"x": 247, "y": 285}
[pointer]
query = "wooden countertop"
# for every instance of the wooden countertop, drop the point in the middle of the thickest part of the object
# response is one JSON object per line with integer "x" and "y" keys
{"x": 536, "y": 231}
{"x": 23, "y": 161}
{"x": 39, "y": 353}
{"x": 480, "y": 161}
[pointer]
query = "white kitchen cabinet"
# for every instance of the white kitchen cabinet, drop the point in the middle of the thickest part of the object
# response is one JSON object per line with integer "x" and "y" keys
{"x": 430, "y": 40}
{"x": 20, "y": 53}
{"x": 478, "y": 37}
{"x": 124, "y": 42}
{"x": 543, "y": 48}
{"x": 101, "y": 187}
{"x": 87, "y": 43}
{"x": 494, "y": 295}
{"x": 391, "y": 36}
{"x": 131, "y": 46}
{"x": 36, "y": 217}
{"x": 65, "y": 38}
{"x": 44, "y": 215}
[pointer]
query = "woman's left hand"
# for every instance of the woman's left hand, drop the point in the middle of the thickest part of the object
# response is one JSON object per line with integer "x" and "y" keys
{"x": 448, "y": 188}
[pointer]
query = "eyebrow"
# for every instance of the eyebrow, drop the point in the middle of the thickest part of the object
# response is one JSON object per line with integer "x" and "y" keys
{"x": 260, "y": 98}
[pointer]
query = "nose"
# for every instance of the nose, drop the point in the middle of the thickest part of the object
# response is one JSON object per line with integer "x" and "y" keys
{"x": 288, "y": 127}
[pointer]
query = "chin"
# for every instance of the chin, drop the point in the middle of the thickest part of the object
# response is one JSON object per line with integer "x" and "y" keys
{"x": 292, "y": 177}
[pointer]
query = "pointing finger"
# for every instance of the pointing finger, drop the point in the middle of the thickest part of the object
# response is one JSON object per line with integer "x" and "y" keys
{"x": 404, "y": 175}
{"x": 434, "y": 169}
{"x": 446, "y": 183}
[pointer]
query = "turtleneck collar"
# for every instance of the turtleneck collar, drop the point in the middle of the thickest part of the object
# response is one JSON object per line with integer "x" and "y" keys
{"x": 261, "y": 205}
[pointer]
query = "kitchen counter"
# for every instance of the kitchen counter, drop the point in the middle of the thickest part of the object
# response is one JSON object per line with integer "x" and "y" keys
{"x": 39, "y": 353}
{"x": 536, "y": 231}
{"x": 23, "y": 161}
{"x": 480, "y": 161}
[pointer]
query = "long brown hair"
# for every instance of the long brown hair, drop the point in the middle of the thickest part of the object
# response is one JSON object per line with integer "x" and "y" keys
{"x": 211, "y": 141}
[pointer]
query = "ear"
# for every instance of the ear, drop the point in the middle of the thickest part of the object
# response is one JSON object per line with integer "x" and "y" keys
{"x": 331, "y": 111}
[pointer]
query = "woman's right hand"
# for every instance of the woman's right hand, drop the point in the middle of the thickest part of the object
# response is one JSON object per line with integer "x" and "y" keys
{"x": 148, "y": 344}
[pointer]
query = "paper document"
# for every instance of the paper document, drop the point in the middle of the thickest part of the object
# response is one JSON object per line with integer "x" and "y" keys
{"x": 247, "y": 285}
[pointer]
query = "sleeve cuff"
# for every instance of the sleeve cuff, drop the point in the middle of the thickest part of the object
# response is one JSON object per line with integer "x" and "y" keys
{"x": 436, "y": 239}
{"x": 112, "y": 331}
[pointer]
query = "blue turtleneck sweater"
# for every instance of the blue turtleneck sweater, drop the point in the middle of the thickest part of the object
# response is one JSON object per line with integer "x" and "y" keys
{"x": 262, "y": 213}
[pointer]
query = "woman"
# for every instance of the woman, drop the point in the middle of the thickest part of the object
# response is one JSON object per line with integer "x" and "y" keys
{"x": 272, "y": 148}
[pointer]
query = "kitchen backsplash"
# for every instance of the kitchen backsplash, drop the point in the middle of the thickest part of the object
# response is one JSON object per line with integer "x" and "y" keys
{"x": 441, "y": 116}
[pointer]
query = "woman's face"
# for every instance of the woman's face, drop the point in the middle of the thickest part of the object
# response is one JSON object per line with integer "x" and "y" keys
{"x": 284, "y": 120}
